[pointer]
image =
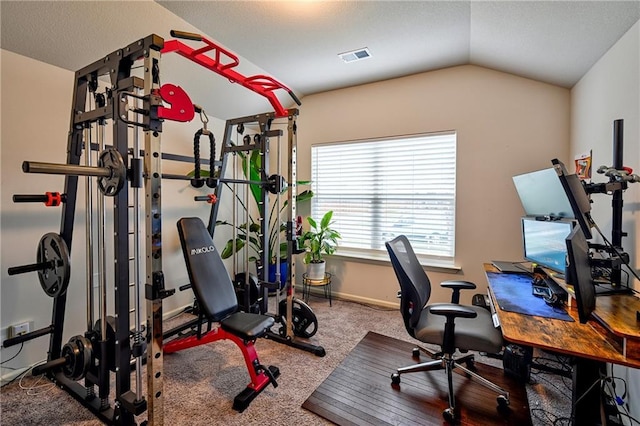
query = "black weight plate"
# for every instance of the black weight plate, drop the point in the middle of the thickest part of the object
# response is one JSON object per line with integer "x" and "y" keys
{"x": 304, "y": 321}
{"x": 54, "y": 279}
{"x": 112, "y": 160}
{"x": 78, "y": 352}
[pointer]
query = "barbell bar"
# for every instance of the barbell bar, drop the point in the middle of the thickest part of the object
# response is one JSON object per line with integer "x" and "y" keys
{"x": 111, "y": 171}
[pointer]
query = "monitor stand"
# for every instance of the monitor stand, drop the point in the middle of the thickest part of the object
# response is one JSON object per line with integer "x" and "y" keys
{"x": 603, "y": 289}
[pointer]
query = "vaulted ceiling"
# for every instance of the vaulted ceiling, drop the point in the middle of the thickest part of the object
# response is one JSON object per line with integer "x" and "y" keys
{"x": 298, "y": 42}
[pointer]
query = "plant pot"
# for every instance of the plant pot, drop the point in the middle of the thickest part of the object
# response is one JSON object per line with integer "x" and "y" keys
{"x": 315, "y": 271}
{"x": 283, "y": 273}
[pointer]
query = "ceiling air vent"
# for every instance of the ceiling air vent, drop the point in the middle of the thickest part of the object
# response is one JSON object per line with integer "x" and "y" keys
{"x": 355, "y": 55}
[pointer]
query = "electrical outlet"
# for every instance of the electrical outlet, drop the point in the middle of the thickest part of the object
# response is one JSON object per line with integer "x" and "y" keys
{"x": 19, "y": 329}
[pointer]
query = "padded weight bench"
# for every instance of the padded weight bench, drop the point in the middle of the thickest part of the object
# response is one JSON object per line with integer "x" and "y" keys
{"x": 217, "y": 302}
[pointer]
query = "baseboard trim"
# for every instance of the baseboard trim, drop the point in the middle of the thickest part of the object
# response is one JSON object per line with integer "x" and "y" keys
{"x": 350, "y": 298}
{"x": 8, "y": 377}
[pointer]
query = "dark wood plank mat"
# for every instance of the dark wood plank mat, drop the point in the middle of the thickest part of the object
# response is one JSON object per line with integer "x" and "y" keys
{"x": 359, "y": 391}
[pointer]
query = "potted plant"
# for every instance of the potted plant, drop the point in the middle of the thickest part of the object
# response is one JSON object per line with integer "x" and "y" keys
{"x": 248, "y": 233}
{"x": 319, "y": 240}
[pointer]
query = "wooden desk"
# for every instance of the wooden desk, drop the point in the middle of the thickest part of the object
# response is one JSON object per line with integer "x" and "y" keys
{"x": 612, "y": 337}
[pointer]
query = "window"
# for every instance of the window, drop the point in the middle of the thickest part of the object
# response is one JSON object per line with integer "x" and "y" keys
{"x": 379, "y": 189}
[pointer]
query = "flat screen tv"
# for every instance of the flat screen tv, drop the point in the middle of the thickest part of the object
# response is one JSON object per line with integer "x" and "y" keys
{"x": 544, "y": 242}
{"x": 542, "y": 194}
{"x": 579, "y": 273}
{"x": 577, "y": 196}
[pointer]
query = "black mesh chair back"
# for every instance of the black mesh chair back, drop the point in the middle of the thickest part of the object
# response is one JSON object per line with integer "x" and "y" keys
{"x": 415, "y": 287}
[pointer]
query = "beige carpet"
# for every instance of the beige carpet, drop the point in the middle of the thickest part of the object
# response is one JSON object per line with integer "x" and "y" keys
{"x": 201, "y": 382}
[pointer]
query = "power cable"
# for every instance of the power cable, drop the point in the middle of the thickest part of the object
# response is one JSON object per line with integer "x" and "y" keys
{"x": 13, "y": 357}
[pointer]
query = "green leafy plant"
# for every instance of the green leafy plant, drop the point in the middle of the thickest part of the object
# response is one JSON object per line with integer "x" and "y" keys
{"x": 320, "y": 239}
{"x": 249, "y": 232}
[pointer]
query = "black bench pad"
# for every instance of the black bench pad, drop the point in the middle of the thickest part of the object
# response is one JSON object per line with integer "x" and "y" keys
{"x": 247, "y": 326}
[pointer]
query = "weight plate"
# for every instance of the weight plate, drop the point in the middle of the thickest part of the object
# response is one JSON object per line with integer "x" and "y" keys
{"x": 112, "y": 160}
{"x": 304, "y": 321}
{"x": 53, "y": 250}
{"x": 78, "y": 352}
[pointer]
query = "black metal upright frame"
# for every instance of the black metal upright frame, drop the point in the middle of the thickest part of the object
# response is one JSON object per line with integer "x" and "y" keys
{"x": 263, "y": 122}
{"x": 103, "y": 352}
{"x": 115, "y": 353}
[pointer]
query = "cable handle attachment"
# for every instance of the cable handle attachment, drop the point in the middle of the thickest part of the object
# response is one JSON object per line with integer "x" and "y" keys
{"x": 197, "y": 180}
{"x": 203, "y": 118}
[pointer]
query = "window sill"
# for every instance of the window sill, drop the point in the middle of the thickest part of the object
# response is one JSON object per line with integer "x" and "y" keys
{"x": 431, "y": 264}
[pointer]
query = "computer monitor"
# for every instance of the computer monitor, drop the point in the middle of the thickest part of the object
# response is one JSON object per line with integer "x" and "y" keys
{"x": 577, "y": 196}
{"x": 544, "y": 242}
{"x": 542, "y": 194}
{"x": 579, "y": 273}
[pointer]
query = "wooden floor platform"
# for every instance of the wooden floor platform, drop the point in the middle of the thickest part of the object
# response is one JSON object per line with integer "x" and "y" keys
{"x": 359, "y": 391}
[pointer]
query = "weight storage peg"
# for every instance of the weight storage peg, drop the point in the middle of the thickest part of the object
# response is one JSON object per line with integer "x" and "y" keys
{"x": 50, "y": 199}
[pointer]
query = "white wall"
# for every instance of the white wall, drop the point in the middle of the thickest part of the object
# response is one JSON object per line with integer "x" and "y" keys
{"x": 36, "y": 107}
{"x": 610, "y": 91}
{"x": 506, "y": 125}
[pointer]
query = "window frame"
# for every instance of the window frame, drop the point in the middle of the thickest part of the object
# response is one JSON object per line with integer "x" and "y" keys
{"x": 439, "y": 261}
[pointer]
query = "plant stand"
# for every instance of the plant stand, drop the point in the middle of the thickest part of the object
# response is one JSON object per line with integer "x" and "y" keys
{"x": 325, "y": 283}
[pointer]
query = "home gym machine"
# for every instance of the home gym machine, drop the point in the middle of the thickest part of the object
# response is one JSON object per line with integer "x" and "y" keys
{"x": 296, "y": 318}
{"x": 111, "y": 348}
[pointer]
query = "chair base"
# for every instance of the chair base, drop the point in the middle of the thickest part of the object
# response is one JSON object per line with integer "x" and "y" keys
{"x": 448, "y": 363}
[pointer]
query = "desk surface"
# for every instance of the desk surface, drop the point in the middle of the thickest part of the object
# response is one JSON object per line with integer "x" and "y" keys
{"x": 606, "y": 342}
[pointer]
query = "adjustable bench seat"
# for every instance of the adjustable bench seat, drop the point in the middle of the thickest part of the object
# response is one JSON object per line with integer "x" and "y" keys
{"x": 217, "y": 302}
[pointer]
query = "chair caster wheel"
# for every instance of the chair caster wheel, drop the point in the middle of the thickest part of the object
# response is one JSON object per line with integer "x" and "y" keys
{"x": 416, "y": 353}
{"x": 395, "y": 379}
{"x": 503, "y": 403}
{"x": 449, "y": 415}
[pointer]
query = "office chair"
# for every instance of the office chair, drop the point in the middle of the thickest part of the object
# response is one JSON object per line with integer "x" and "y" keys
{"x": 450, "y": 325}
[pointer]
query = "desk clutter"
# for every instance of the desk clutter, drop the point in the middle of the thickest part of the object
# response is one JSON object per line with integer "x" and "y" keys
{"x": 516, "y": 293}
{"x": 550, "y": 291}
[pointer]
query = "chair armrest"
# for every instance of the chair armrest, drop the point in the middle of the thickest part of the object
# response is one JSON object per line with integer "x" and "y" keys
{"x": 451, "y": 310}
{"x": 456, "y": 286}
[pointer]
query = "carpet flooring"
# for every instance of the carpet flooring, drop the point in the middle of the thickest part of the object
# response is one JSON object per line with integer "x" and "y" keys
{"x": 201, "y": 382}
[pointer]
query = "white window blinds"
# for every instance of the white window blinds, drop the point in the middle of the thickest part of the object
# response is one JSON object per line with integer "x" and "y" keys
{"x": 384, "y": 188}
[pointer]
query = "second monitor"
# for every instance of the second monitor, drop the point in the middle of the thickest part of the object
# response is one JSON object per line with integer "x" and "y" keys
{"x": 544, "y": 242}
